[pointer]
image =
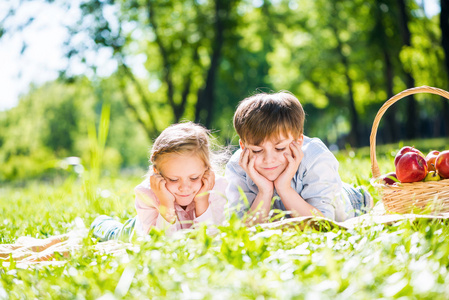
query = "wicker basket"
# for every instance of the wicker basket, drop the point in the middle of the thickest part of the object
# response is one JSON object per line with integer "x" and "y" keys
{"x": 429, "y": 197}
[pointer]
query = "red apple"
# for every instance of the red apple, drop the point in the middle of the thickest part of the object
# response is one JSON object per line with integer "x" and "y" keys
{"x": 442, "y": 164}
{"x": 389, "y": 179}
{"x": 430, "y": 159}
{"x": 404, "y": 150}
{"x": 411, "y": 167}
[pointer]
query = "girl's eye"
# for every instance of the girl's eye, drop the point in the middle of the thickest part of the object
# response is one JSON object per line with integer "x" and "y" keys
{"x": 280, "y": 149}
{"x": 195, "y": 179}
{"x": 256, "y": 151}
{"x": 172, "y": 180}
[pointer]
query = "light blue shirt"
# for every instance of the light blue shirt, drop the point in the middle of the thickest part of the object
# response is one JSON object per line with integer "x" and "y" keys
{"x": 317, "y": 181}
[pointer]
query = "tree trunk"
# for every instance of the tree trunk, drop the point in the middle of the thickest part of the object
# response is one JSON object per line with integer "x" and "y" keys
{"x": 206, "y": 97}
{"x": 390, "y": 118}
{"x": 412, "y": 123}
{"x": 444, "y": 25}
{"x": 391, "y": 129}
{"x": 354, "y": 133}
{"x": 167, "y": 67}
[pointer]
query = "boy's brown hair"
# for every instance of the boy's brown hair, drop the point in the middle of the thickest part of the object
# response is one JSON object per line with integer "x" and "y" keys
{"x": 265, "y": 116}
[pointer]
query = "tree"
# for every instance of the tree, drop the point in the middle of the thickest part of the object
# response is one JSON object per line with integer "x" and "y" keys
{"x": 384, "y": 36}
{"x": 206, "y": 95}
{"x": 413, "y": 123}
{"x": 444, "y": 25}
{"x": 181, "y": 43}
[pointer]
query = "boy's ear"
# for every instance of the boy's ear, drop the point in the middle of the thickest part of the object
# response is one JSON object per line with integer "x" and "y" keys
{"x": 155, "y": 171}
{"x": 241, "y": 145}
{"x": 300, "y": 139}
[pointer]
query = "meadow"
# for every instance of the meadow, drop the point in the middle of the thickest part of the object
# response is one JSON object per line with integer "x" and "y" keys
{"x": 407, "y": 260}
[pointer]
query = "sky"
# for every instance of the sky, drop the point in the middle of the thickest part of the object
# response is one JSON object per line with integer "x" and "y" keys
{"x": 44, "y": 55}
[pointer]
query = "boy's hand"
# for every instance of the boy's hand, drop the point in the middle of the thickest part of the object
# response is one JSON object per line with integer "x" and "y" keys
{"x": 208, "y": 181}
{"x": 166, "y": 199}
{"x": 265, "y": 186}
{"x": 294, "y": 160}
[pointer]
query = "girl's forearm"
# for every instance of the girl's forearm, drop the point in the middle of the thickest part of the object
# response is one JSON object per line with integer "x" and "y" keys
{"x": 201, "y": 205}
{"x": 168, "y": 212}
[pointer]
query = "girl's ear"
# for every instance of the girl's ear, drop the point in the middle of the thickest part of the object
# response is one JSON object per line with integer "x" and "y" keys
{"x": 155, "y": 171}
{"x": 241, "y": 145}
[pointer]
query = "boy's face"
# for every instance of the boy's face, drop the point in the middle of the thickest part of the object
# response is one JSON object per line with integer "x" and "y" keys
{"x": 270, "y": 159}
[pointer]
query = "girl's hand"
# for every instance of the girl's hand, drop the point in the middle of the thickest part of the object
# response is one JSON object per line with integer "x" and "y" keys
{"x": 294, "y": 160}
{"x": 208, "y": 181}
{"x": 166, "y": 199}
{"x": 265, "y": 186}
{"x": 202, "y": 197}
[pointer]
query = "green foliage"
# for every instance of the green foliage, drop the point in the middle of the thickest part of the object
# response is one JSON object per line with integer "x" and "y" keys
{"x": 55, "y": 121}
{"x": 407, "y": 259}
{"x": 342, "y": 59}
{"x": 331, "y": 54}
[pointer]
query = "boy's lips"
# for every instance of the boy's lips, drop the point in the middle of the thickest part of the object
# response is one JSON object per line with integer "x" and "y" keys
{"x": 270, "y": 169}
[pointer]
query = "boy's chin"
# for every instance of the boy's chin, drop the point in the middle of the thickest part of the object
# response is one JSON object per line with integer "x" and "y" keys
{"x": 270, "y": 177}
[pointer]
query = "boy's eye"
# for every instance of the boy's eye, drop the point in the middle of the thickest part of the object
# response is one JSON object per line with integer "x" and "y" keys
{"x": 194, "y": 179}
{"x": 280, "y": 149}
{"x": 256, "y": 151}
{"x": 172, "y": 180}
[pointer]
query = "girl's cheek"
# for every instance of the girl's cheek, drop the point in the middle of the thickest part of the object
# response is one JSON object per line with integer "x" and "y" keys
{"x": 170, "y": 186}
{"x": 198, "y": 185}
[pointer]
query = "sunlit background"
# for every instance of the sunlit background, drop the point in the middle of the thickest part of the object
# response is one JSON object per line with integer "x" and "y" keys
{"x": 35, "y": 54}
{"x": 154, "y": 63}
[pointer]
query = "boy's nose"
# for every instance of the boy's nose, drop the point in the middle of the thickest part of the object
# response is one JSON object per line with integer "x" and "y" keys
{"x": 268, "y": 157}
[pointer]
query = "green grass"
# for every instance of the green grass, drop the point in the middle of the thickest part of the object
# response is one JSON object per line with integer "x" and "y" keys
{"x": 408, "y": 260}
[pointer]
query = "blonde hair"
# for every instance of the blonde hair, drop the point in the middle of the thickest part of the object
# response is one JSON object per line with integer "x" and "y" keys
{"x": 182, "y": 138}
{"x": 265, "y": 116}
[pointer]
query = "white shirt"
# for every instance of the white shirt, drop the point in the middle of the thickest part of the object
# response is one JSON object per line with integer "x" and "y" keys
{"x": 317, "y": 181}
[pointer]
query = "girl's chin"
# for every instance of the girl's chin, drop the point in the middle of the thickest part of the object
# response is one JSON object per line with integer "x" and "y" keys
{"x": 184, "y": 201}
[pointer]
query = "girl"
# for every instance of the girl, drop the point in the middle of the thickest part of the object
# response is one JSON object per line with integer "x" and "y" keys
{"x": 180, "y": 189}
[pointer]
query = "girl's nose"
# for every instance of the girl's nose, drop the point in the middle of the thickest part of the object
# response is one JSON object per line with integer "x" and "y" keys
{"x": 185, "y": 185}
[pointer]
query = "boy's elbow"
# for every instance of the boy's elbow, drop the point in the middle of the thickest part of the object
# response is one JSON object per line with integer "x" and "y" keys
{"x": 329, "y": 214}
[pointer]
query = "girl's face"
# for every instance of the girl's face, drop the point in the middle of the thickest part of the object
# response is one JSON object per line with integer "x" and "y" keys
{"x": 183, "y": 174}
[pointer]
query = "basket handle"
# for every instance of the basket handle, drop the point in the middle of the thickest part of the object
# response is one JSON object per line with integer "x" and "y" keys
{"x": 380, "y": 113}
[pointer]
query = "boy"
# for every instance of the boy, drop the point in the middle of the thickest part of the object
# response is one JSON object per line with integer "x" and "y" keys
{"x": 276, "y": 159}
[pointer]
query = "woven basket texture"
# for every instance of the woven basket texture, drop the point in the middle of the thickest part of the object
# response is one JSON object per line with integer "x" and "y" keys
{"x": 417, "y": 197}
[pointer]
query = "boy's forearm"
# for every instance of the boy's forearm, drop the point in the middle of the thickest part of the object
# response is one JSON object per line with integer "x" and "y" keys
{"x": 258, "y": 212}
{"x": 297, "y": 205}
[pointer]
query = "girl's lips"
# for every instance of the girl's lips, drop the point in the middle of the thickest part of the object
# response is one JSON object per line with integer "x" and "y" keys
{"x": 184, "y": 196}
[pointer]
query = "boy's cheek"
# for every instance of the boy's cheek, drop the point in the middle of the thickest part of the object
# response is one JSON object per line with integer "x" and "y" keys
{"x": 287, "y": 151}
{"x": 251, "y": 155}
